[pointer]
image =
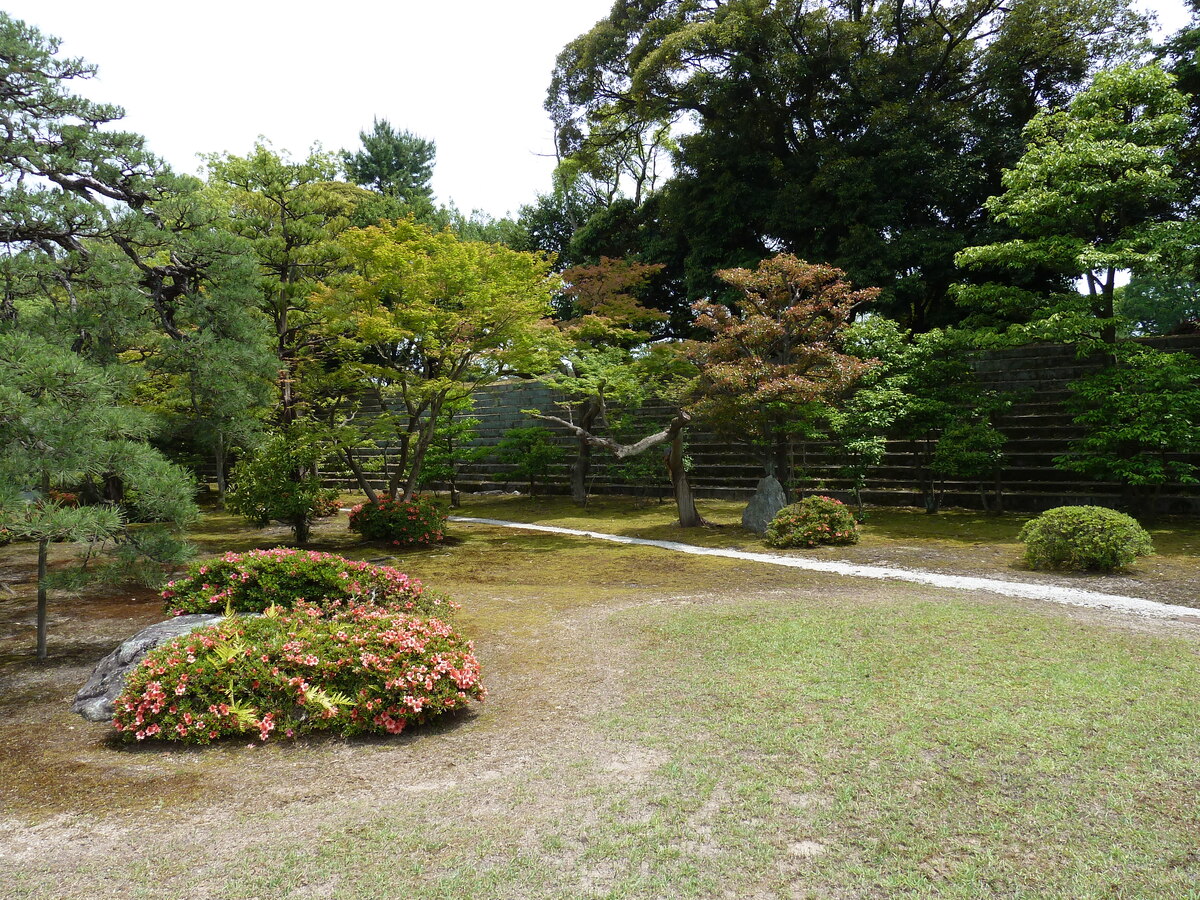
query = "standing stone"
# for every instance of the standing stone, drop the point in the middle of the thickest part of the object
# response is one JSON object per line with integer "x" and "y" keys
{"x": 96, "y": 698}
{"x": 769, "y": 498}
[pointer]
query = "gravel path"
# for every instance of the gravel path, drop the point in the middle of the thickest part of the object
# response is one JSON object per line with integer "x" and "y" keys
{"x": 1025, "y": 590}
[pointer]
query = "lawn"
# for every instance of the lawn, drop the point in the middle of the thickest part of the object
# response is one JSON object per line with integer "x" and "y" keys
{"x": 659, "y": 726}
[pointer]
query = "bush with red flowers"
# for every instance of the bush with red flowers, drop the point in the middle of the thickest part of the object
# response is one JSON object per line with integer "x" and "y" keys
{"x": 254, "y": 582}
{"x": 402, "y": 523}
{"x": 355, "y": 669}
{"x": 811, "y": 522}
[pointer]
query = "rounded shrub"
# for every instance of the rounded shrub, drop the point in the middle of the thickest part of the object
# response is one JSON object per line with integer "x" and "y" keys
{"x": 1084, "y": 538}
{"x": 254, "y": 582}
{"x": 357, "y": 669}
{"x": 813, "y": 521}
{"x": 402, "y": 523}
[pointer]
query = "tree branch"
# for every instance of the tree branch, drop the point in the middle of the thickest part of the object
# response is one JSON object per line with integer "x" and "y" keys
{"x": 623, "y": 451}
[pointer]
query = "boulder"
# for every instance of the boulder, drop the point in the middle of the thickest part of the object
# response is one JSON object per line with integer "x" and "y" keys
{"x": 769, "y": 498}
{"x": 96, "y": 698}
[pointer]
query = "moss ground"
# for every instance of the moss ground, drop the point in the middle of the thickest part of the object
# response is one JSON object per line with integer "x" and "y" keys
{"x": 658, "y": 726}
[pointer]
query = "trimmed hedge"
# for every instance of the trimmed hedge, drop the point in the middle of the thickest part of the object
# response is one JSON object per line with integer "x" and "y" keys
{"x": 811, "y": 522}
{"x": 1081, "y": 538}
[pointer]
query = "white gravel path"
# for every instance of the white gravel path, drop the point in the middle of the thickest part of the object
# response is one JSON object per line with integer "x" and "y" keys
{"x": 1025, "y": 590}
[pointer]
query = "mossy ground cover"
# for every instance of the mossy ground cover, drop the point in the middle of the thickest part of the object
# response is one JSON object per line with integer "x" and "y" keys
{"x": 953, "y": 541}
{"x": 658, "y": 726}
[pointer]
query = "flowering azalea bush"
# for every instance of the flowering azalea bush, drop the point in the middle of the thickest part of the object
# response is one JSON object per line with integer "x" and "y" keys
{"x": 403, "y": 523}
{"x": 326, "y": 504}
{"x": 813, "y": 521}
{"x": 255, "y": 581}
{"x": 1082, "y": 538}
{"x": 355, "y": 669}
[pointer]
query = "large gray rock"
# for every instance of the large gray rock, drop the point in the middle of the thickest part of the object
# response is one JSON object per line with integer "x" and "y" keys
{"x": 769, "y": 498}
{"x": 96, "y": 698}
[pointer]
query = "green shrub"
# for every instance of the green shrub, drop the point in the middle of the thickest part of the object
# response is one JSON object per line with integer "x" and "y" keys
{"x": 360, "y": 668}
{"x": 255, "y": 581}
{"x": 813, "y": 521}
{"x": 280, "y": 482}
{"x": 1084, "y": 537}
{"x": 404, "y": 523}
{"x": 532, "y": 453}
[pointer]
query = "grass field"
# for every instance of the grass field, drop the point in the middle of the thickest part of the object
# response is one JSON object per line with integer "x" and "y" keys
{"x": 658, "y": 726}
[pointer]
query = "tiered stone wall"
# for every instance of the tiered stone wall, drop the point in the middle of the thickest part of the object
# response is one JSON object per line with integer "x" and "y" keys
{"x": 1038, "y": 427}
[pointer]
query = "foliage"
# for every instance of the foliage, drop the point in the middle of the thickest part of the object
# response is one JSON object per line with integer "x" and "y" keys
{"x": 866, "y": 135}
{"x": 812, "y": 522}
{"x": 355, "y": 669}
{"x": 420, "y": 320}
{"x": 404, "y": 523}
{"x": 254, "y": 582}
{"x": 280, "y": 482}
{"x": 453, "y": 445}
{"x": 778, "y": 357}
{"x": 1084, "y": 538}
{"x": 1141, "y": 413}
{"x": 532, "y": 452}
{"x": 396, "y": 163}
{"x": 62, "y": 425}
{"x": 921, "y": 390}
{"x": 1151, "y": 304}
{"x": 1087, "y": 197}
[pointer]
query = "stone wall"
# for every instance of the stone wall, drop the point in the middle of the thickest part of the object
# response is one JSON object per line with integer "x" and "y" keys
{"x": 1038, "y": 427}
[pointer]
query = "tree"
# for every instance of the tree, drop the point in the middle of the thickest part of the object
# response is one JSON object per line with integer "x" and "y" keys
{"x": 921, "y": 390}
{"x": 1151, "y": 304}
{"x": 531, "y": 452}
{"x": 776, "y": 360}
{"x": 862, "y": 134}
{"x": 62, "y": 425}
{"x": 419, "y": 321}
{"x": 1086, "y": 200}
{"x": 604, "y": 322}
{"x": 395, "y": 163}
{"x": 1142, "y": 415}
{"x": 280, "y": 481}
{"x": 453, "y": 446}
{"x": 289, "y": 212}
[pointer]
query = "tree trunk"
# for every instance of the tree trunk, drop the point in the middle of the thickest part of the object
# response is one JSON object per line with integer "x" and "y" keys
{"x": 219, "y": 459}
{"x": 360, "y": 476}
{"x": 580, "y": 469}
{"x": 302, "y": 528}
{"x": 43, "y": 550}
{"x": 589, "y": 411}
{"x": 688, "y": 517}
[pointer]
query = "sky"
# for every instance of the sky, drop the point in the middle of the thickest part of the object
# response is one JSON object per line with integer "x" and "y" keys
{"x": 471, "y": 75}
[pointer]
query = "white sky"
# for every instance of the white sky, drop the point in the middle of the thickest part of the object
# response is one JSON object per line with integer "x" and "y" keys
{"x": 469, "y": 74}
{"x": 212, "y": 76}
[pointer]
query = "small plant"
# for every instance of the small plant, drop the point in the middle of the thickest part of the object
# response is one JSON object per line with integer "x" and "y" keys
{"x": 531, "y": 452}
{"x": 357, "y": 669}
{"x": 327, "y": 504}
{"x": 403, "y": 523}
{"x": 1084, "y": 538}
{"x": 811, "y": 522}
{"x": 280, "y": 483}
{"x": 256, "y": 581}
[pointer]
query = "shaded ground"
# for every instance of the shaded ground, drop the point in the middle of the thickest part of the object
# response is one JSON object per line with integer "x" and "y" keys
{"x": 641, "y": 741}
